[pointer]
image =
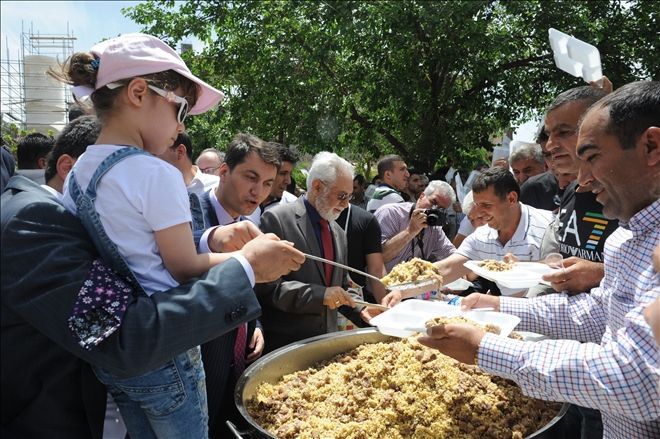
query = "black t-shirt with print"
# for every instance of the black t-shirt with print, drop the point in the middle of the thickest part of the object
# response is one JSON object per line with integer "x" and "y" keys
{"x": 582, "y": 227}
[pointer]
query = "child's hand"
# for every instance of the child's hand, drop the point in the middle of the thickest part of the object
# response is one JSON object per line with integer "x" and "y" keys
{"x": 232, "y": 237}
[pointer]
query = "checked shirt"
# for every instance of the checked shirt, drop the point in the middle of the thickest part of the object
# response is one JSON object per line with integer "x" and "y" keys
{"x": 614, "y": 367}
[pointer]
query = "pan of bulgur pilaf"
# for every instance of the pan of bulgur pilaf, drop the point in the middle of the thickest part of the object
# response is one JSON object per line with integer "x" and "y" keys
{"x": 362, "y": 384}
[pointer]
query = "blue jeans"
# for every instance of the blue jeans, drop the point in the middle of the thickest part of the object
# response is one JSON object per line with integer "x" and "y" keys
{"x": 168, "y": 402}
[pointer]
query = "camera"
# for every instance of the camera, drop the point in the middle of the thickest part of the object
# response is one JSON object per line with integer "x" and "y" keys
{"x": 435, "y": 217}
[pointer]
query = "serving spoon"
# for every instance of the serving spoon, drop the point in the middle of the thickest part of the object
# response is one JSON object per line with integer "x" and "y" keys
{"x": 422, "y": 284}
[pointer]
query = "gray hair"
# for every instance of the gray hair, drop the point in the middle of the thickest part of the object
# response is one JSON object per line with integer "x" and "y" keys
{"x": 468, "y": 203}
{"x": 325, "y": 167}
{"x": 586, "y": 93}
{"x": 528, "y": 151}
{"x": 440, "y": 187}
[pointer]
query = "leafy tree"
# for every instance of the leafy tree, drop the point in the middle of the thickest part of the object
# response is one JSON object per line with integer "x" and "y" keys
{"x": 429, "y": 80}
{"x": 12, "y": 133}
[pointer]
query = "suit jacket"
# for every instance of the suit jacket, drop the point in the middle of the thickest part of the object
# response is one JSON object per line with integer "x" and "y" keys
{"x": 47, "y": 387}
{"x": 218, "y": 354}
{"x": 7, "y": 167}
{"x": 293, "y": 306}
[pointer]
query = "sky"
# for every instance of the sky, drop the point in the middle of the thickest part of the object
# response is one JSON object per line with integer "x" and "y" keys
{"x": 527, "y": 131}
{"x": 90, "y": 22}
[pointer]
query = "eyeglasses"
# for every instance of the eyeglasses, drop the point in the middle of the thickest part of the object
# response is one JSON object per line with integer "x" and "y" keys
{"x": 171, "y": 97}
{"x": 209, "y": 170}
{"x": 168, "y": 95}
{"x": 342, "y": 196}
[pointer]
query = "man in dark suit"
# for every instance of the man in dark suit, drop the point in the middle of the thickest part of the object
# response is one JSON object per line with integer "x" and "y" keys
{"x": 7, "y": 166}
{"x": 305, "y": 303}
{"x": 246, "y": 179}
{"x": 48, "y": 389}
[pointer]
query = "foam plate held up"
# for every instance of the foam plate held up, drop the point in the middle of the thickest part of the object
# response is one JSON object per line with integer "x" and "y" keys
{"x": 521, "y": 276}
{"x": 575, "y": 56}
{"x": 415, "y": 313}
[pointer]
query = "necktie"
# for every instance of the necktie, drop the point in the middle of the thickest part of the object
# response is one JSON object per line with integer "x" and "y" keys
{"x": 328, "y": 250}
{"x": 239, "y": 349}
{"x": 241, "y": 341}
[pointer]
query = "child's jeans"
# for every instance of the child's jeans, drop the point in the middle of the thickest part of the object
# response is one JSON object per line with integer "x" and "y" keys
{"x": 167, "y": 402}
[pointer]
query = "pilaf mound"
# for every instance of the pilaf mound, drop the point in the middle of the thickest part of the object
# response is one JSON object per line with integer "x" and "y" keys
{"x": 460, "y": 319}
{"x": 493, "y": 265}
{"x": 413, "y": 270}
{"x": 396, "y": 389}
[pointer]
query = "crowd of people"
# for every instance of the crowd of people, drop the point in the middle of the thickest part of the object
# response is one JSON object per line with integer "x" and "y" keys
{"x": 132, "y": 268}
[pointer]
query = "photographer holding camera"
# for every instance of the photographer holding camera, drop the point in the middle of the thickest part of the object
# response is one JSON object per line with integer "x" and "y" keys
{"x": 411, "y": 230}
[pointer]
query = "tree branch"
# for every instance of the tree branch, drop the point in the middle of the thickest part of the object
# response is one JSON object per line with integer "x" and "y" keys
{"x": 366, "y": 123}
{"x": 503, "y": 68}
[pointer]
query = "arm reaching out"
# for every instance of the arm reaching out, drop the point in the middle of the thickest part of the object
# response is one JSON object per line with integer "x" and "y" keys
{"x": 232, "y": 237}
{"x": 177, "y": 248}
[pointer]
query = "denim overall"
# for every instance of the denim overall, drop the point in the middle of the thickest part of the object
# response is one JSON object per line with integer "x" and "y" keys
{"x": 196, "y": 212}
{"x": 167, "y": 402}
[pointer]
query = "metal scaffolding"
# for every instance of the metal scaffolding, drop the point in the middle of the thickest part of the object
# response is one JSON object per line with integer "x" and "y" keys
{"x": 11, "y": 89}
{"x": 30, "y": 99}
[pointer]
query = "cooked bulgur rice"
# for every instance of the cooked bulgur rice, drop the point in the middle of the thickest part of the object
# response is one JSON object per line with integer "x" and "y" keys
{"x": 459, "y": 319}
{"x": 493, "y": 265}
{"x": 413, "y": 270}
{"x": 396, "y": 389}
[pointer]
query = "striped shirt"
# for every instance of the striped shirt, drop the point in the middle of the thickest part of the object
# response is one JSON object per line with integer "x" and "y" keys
{"x": 525, "y": 243}
{"x": 617, "y": 368}
{"x": 435, "y": 246}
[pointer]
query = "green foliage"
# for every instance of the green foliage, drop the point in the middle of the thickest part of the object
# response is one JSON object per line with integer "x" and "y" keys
{"x": 299, "y": 177}
{"x": 429, "y": 80}
{"x": 11, "y": 133}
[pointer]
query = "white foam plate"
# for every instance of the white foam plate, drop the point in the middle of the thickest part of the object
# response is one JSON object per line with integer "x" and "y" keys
{"x": 458, "y": 285}
{"x": 415, "y": 313}
{"x": 575, "y": 56}
{"x": 422, "y": 285}
{"x": 522, "y": 275}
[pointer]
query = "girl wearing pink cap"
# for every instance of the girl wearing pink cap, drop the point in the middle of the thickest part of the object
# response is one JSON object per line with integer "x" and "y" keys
{"x": 136, "y": 208}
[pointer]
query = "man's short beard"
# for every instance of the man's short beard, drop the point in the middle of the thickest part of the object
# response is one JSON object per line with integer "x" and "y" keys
{"x": 322, "y": 208}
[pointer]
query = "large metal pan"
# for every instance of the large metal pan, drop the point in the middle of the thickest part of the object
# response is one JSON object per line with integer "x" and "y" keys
{"x": 305, "y": 353}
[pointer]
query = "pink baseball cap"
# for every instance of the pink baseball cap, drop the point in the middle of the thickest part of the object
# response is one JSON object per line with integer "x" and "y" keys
{"x": 138, "y": 54}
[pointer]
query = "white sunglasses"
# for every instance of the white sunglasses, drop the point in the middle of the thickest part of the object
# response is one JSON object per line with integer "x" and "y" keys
{"x": 168, "y": 95}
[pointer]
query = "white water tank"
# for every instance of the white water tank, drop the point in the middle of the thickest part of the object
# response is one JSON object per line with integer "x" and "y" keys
{"x": 45, "y": 103}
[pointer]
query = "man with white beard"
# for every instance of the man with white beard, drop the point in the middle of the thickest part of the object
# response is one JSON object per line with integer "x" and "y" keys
{"x": 305, "y": 303}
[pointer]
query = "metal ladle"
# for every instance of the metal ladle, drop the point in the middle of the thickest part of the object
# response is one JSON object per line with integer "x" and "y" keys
{"x": 397, "y": 287}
